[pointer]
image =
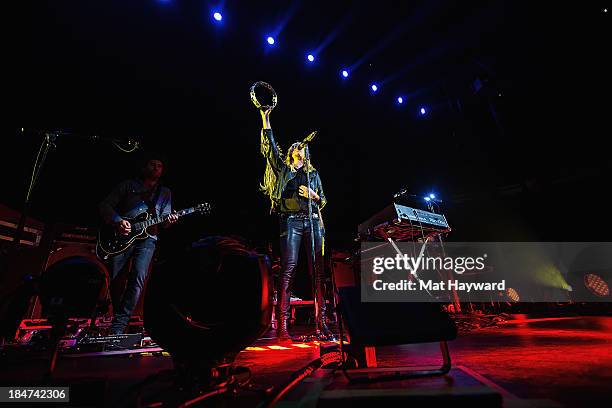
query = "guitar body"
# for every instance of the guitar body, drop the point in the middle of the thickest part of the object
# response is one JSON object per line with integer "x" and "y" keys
{"x": 111, "y": 243}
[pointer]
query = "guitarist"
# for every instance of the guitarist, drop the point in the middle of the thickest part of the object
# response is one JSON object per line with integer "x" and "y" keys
{"x": 128, "y": 199}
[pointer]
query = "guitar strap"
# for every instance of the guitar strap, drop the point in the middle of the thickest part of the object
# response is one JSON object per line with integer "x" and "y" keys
{"x": 152, "y": 204}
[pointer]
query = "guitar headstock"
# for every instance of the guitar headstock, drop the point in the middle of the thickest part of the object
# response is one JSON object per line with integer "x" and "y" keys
{"x": 202, "y": 208}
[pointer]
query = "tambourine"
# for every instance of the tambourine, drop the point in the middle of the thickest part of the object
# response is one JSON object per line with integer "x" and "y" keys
{"x": 254, "y": 99}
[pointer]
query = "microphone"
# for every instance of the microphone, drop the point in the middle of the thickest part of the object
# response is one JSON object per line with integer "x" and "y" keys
{"x": 307, "y": 140}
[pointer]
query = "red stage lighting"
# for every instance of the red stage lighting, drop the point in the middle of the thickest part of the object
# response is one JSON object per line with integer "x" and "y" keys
{"x": 513, "y": 294}
{"x": 596, "y": 285}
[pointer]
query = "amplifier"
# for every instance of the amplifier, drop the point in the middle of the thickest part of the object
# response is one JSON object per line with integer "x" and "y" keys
{"x": 73, "y": 234}
{"x": 9, "y": 221}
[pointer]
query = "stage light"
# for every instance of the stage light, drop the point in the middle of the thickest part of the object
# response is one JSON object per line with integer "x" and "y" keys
{"x": 513, "y": 294}
{"x": 432, "y": 196}
{"x": 310, "y": 58}
{"x": 422, "y": 111}
{"x": 596, "y": 284}
{"x": 548, "y": 274}
{"x": 374, "y": 87}
{"x": 427, "y": 199}
{"x": 400, "y": 100}
{"x": 345, "y": 73}
{"x": 270, "y": 40}
{"x": 217, "y": 16}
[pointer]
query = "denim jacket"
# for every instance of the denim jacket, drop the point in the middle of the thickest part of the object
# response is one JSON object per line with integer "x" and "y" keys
{"x": 283, "y": 172}
{"x": 125, "y": 201}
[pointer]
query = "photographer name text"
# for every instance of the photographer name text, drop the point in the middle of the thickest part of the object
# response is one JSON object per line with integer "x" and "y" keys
{"x": 434, "y": 286}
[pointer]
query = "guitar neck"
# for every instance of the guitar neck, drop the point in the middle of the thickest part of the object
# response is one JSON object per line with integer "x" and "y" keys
{"x": 161, "y": 218}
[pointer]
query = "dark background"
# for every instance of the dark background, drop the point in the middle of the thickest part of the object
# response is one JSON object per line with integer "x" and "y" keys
{"x": 163, "y": 72}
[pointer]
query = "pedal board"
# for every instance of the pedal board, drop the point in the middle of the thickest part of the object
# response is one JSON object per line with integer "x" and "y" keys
{"x": 115, "y": 341}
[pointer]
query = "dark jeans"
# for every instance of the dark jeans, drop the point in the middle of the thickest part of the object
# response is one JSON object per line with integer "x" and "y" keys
{"x": 294, "y": 232}
{"x": 141, "y": 253}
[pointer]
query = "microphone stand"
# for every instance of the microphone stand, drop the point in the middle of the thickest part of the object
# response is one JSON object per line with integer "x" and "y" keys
{"x": 456, "y": 302}
{"x": 47, "y": 143}
{"x": 49, "y": 138}
{"x": 313, "y": 255}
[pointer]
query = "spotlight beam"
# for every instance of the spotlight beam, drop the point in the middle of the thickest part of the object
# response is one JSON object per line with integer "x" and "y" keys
{"x": 429, "y": 56}
{"x": 334, "y": 33}
{"x": 411, "y": 23}
{"x": 286, "y": 18}
{"x": 424, "y": 89}
{"x": 462, "y": 39}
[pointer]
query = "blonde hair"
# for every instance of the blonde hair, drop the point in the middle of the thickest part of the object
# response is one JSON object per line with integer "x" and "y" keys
{"x": 289, "y": 158}
{"x": 270, "y": 177}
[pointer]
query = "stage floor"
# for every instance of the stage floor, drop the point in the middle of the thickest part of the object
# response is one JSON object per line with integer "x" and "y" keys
{"x": 564, "y": 360}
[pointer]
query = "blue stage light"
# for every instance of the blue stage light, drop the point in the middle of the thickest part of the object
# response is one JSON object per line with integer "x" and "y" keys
{"x": 422, "y": 111}
{"x": 270, "y": 40}
{"x": 427, "y": 199}
{"x": 345, "y": 73}
{"x": 374, "y": 87}
{"x": 400, "y": 100}
{"x": 217, "y": 16}
{"x": 310, "y": 58}
{"x": 432, "y": 196}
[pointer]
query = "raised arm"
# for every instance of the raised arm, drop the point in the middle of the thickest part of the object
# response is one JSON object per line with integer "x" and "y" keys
{"x": 265, "y": 118}
{"x": 268, "y": 145}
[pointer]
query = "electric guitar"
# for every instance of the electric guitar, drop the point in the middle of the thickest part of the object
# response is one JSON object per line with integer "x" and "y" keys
{"x": 111, "y": 243}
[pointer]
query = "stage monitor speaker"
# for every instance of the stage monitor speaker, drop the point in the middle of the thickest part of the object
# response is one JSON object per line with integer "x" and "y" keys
{"x": 208, "y": 302}
{"x": 382, "y": 323}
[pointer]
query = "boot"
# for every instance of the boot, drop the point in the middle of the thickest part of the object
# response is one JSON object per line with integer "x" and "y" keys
{"x": 282, "y": 333}
{"x": 325, "y": 332}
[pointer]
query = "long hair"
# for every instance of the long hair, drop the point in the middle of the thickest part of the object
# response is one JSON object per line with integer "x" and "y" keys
{"x": 270, "y": 178}
{"x": 289, "y": 157}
